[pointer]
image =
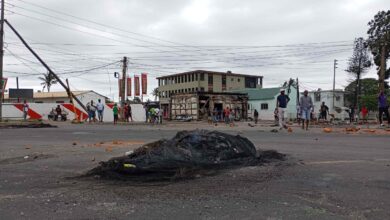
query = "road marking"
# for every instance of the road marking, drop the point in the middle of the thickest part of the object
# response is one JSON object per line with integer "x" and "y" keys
{"x": 345, "y": 161}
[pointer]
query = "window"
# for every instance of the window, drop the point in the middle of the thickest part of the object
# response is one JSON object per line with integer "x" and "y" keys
{"x": 185, "y": 78}
{"x": 210, "y": 79}
{"x": 337, "y": 98}
{"x": 193, "y": 77}
{"x": 232, "y": 79}
{"x": 264, "y": 106}
{"x": 250, "y": 82}
{"x": 196, "y": 77}
{"x": 202, "y": 77}
{"x": 317, "y": 96}
{"x": 201, "y": 89}
{"x": 238, "y": 79}
{"x": 223, "y": 82}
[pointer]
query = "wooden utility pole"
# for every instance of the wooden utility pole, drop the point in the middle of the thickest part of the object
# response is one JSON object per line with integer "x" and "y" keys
{"x": 334, "y": 82}
{"x": 1, "y": 58}
{"x": 123, "y": 85}
{"x": 70, "y": 94}
{"x": 382, "y": 69}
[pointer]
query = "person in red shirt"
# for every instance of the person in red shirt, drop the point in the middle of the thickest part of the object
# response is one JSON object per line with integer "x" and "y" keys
{"x": 226, "y": 114}
{"x": 364, "y": 113}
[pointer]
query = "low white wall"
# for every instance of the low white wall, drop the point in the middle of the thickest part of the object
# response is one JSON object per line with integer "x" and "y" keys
{"x": 42, "y": 110}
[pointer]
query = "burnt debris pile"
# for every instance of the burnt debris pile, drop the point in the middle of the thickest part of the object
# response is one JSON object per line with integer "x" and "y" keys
{"x": 183, "y": 156}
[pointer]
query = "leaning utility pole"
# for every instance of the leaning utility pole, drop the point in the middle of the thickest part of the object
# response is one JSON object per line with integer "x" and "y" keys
{"x": 70, "y": 94}
{"x": 123, "y": 86}
{"x": 334, "y": 81}
{"x": 382, "y": 69}
{"x": 1, "y": 58}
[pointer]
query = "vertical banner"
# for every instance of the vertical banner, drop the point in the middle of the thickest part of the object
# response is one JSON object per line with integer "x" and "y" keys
{"x": 144, "y": 82}
{"x": 128, "y": 86}
{"x": 120, "y": 87}
{"x": 136, "y": 86}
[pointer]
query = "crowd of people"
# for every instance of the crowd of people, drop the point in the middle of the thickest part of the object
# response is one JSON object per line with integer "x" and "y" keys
{"x": 305, "y": 110}
{"x": 153, "y": 115}
{"x": 226, "y": 115}
{"x": 93, "y": 108}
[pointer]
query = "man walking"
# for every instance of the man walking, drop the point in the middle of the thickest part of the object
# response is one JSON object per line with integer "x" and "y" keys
{"x": 281, "y": 103}
{"x": 306, "y": 104}
{"x": 256, "y": 115}
{"x": 25, "y": 110}
{"x": 324, "y": 111}
{"x": 100, "y": 110}
{"x": 383, "y": 108}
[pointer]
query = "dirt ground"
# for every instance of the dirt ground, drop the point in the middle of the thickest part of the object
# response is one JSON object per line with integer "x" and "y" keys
{"x": 338, "y": 175}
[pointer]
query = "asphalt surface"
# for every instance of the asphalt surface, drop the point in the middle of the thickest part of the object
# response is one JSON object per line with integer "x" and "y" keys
{"x": 326, "y": 176}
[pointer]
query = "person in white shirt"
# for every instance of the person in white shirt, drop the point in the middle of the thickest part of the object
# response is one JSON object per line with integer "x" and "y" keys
{"x": 100, "y": 110}
{"x": 306, "y": 105}
{"x": 25, "y": 110}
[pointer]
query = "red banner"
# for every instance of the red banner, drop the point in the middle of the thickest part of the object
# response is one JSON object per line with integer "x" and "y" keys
{"x": 129, "y": 86}
{"x": 120, "y": 87}
{"x": 144, "y": 82}
{"x": 136, "y": 86}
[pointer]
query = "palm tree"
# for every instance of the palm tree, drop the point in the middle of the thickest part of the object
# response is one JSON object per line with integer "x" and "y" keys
{"x": 47, "y": 81}
{"x": 155, "y": 93}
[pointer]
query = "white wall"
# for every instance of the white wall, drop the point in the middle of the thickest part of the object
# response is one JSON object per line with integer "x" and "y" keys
{"x": 43, "y": 110}
{"x": 327, "y": 97}
{"x": 268, "y": 114}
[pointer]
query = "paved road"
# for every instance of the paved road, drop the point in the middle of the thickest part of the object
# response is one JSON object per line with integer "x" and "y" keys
{"x": 326, "y": 176}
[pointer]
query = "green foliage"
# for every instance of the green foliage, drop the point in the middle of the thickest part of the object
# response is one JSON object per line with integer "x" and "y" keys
{"x": 47, "y": 81}
{"x": 369, "y": 93}
{"x": 370, "y": 101}
{"x": 155, "y": 93}
{"x": 378, "y": 37}
{"x": 358, "y": 64}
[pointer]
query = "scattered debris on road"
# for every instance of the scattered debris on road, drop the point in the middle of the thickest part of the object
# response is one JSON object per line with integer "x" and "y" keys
{"x": 327, "y": 130}
{"x": 184, "y": 156}
{"x": 28, "y": 125}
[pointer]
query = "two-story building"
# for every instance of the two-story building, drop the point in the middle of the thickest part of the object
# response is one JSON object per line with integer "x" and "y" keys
{"x": 203, "y": 81}
{"x": 333, "y": 99}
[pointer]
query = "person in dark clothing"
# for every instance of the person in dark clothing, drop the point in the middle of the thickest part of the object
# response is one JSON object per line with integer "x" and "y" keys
{"x": 324, "y": 111}
{"x": 58, "y": 112}
{"x": 383, "y": 108}
{"x": 281, "y": 104}
{"x": 256, "y": 115}
{"x": 351, "y": 113}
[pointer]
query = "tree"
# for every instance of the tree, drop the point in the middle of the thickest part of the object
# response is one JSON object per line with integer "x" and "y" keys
{"x": 379, "y": 40}
{"x": 47, "y": 81}
{"x": 137, "y": 100}
{"x": 155, "y": 93}
{"x": 369, "y": 93}
{"x": 358, "y": 65}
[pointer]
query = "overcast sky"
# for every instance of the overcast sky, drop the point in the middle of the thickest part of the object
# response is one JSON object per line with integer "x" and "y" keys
{"x": 280, "y": 39}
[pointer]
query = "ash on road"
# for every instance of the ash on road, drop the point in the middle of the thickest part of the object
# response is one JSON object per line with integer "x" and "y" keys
{"x": 326, "y": 176}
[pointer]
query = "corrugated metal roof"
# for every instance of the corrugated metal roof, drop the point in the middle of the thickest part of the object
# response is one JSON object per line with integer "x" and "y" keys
{"x": 261, "y": 94}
